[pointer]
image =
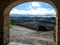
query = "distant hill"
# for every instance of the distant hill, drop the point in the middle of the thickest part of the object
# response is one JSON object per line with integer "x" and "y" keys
{"x": 20, "y": 15}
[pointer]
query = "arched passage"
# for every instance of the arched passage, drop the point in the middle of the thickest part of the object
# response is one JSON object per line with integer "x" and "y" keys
{"x": 6, "y": 17}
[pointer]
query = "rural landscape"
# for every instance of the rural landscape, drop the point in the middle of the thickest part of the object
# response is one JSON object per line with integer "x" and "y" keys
{"x": 34, "y": 22}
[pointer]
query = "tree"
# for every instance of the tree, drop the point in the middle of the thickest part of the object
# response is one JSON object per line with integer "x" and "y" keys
{"x": 42, "y": 28}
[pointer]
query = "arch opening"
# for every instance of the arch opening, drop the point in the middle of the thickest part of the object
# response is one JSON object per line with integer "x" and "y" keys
{"x": 10, "y": 9}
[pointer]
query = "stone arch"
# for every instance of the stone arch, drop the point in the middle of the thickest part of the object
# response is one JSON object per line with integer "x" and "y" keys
{"x": 6, "y": 16}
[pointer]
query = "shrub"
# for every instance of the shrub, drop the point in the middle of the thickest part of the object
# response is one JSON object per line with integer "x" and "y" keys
{"x": 42, "y": 28}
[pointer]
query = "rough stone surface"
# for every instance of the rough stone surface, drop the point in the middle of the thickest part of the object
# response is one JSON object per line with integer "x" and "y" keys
{"x": 29, "y": 36}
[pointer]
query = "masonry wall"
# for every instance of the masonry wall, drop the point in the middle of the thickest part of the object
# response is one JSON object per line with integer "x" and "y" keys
{"x": 4, "y": 23}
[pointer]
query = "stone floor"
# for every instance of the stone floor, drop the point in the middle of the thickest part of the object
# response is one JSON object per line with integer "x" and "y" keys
{"x": 15, "y": 43}
{"x": 24, "y": 36}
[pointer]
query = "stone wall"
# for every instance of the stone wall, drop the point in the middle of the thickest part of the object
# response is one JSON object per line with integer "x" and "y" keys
{"x": 4, "y": 29}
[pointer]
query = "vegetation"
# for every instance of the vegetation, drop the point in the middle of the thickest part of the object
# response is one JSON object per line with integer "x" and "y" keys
{"x": 42, "y": 28}
{"x": 10, "y": 23}
{"x": 40, "y": 23}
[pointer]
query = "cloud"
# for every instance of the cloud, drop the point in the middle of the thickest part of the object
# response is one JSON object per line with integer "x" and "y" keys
{"x": 38, "y": 11}
{"x": 36, "y": 4}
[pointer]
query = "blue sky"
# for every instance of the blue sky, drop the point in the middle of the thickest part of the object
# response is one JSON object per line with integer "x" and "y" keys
{"x": 34, "y": 8}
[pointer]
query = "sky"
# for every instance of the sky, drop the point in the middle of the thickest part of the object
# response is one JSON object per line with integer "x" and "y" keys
{"x": 34, "y": 8}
